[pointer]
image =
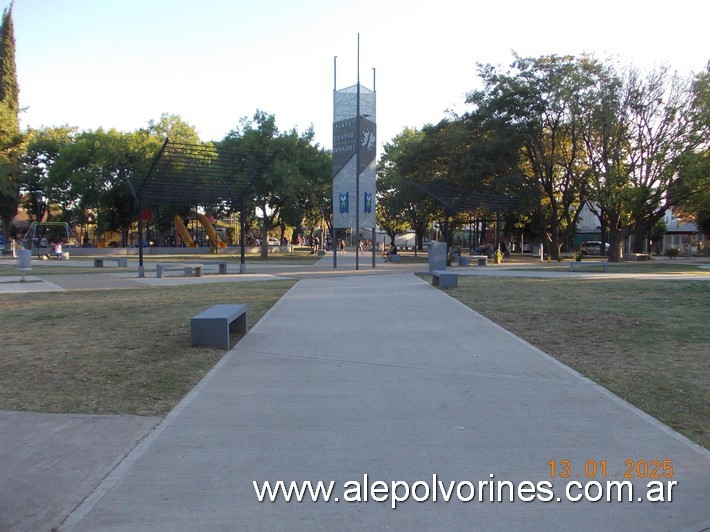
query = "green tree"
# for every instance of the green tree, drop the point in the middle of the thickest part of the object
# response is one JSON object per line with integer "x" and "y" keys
{"x": 174, "y": 127}
{"x": 540, "y": 97}
{"x": 401, "y": 206}
{"x": 42, "y": 148}
{"x": 88, "y": 177}
{"x": 10, "y": 137}
{"x": 292, "y": 163}
{"x": 662, "y": 135}
{"x": 311, "y": 201}
{"x": 605, "y": 131}
{"x": 693, "y": 185}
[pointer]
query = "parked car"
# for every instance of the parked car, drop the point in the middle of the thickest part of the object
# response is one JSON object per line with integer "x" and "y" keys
{"x": 593, "y": 247}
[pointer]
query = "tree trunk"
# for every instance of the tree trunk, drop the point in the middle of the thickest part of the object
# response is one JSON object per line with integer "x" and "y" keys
{"x": 419, "y": 240}
{"x": 555, "y": 244}
{"x": 5, "y": 234}
{"x": 265, "y": 228}
{"x": 639, "y": 238}
{"x": 616, "y": 244}
{"x": 554, "y": 237}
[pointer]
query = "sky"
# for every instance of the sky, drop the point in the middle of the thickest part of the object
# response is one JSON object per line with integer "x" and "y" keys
{"x": 121, "y": 63}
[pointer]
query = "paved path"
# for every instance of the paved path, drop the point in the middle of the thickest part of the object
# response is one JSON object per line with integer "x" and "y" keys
{"x": 360, "y": 375}
{"x": 50, "y": 462}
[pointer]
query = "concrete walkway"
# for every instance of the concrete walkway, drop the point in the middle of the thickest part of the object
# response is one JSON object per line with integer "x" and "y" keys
{"x": 50, "y": 462}
{"x": 386, "y": 376}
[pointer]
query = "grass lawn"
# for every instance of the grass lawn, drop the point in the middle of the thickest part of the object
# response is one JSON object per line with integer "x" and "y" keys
{"x": 646, "y": 341}
{"x": 668, "y": 267}
{"x": 112, "y": 351}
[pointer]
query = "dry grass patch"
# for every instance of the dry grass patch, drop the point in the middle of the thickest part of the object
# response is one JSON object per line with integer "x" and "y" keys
{"x": 112, "y": 351}
{"x": 646, "y": 341}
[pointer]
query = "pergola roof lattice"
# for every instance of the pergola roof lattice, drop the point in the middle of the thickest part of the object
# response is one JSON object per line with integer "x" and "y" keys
{"x": 199, "y": 174}
{"x": 458, "y": 199}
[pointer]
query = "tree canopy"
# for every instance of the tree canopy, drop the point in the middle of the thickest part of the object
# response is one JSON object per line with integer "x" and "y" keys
{"x": 560, "y": 134}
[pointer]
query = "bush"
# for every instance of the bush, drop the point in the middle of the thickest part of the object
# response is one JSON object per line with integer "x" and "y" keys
{"x": 672, "y": 252}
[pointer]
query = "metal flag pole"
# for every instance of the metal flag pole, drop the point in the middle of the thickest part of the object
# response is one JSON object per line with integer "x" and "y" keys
{"x": 357, "y": 162}
{"x": 335, "y": 86}
{"x": 374, "y": 199}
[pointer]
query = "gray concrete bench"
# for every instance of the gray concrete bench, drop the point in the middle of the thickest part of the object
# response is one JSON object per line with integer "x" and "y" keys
{"x": 636, "y": 256}
{"x": 212, "y": 327}
{"x": 121, "y": 262}
{"x": 187, "y": 269}
{"x": 464, "y": 260}
{"x": 444, "y": 279}
{"x": 393, "y": 258}
{"x": 604, "y": 264}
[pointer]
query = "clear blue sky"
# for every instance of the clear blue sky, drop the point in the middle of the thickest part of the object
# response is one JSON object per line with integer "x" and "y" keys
{"x": 120, "y": 63}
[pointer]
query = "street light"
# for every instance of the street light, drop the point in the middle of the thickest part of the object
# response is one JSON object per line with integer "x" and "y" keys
{"x": 39, "y": 193}
{"x": 38, "y": 196}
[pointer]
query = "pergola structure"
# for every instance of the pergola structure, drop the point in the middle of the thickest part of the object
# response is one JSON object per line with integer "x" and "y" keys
{"x": 456, "y": 199}
{"x": 198, "y": 174}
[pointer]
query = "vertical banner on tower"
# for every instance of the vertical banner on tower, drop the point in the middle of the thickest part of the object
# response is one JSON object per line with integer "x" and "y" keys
{"x": 354, "y": 138}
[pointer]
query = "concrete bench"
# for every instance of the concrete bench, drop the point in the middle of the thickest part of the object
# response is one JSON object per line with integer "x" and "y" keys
{"x": 393, "y": 258}
{"x": 464, "y": 260}
{"x": 604, "y": 264}
{"x": 121, "y": 262}
{"x": 187, "y": 269}
{"x": 211, "y": 327}
{"x": 629, "y": 257}
{"x": 444, "y": 279}
{"x": 221, "y": 265}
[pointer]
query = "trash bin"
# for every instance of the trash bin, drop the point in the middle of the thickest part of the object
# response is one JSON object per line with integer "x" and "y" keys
{"x": 24, "y": 259}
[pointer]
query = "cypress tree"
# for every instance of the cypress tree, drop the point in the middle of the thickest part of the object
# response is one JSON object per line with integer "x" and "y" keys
{"x": 10, "y": 137}
{"x": 9, "y": 88}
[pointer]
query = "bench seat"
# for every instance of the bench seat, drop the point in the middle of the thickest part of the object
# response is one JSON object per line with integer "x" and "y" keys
{"x": 212, "y": 327}
{"x": 444, "y": 279}
{"x": 604, "y": 264}
{"x": 187, "y": 269}
{"x": 121, "y": 262}
{"x": 464, "y": 260}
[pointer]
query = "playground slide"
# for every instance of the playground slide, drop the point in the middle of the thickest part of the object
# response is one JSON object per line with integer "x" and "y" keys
{"x": 182, "y": 230}
{"x": 209, "y": 229}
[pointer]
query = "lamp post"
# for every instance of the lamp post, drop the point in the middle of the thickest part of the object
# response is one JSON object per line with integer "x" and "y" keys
{"x": 39, "y": 193}
{"x": 38, "y": 197}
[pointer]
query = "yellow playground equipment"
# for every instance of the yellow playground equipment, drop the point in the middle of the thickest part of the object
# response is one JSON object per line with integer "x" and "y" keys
{"x": 209, "y": 230}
